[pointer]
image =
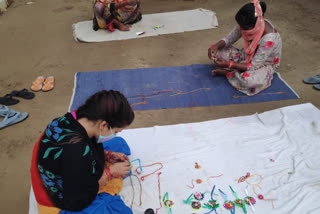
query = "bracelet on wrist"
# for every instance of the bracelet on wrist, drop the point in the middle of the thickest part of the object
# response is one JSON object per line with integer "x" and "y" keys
{"x": 230, "y": 64}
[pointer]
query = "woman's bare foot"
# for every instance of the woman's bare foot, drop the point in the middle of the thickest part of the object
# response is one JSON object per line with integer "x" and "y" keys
{"x": 123, "y": 27}
{"x": 220, "y": 72}
{"x": 120, "y": 26}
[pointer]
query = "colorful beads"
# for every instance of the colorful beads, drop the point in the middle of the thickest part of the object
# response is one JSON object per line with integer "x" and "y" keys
{"x": 213, "y": 204}
{"x": 249, "y": 200}
{"x": 198, "y": 196}
{"x": 228, "y": 205}
{"x": 239, "y": 202}
{"x": 168, "y": 203}
{"x": 196, "y": 205}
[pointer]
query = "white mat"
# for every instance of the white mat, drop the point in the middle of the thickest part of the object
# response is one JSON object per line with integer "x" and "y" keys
{"x": 289, "y": 136}
{"x": 172, "y": 22}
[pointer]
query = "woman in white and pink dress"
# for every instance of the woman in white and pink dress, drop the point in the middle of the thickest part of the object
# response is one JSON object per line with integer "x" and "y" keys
{"x": 249, "y": 70}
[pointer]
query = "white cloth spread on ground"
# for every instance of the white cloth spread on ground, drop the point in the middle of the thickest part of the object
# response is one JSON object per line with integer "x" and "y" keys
{"x": 167, "y": 23}
{"x": 270, "y": 144}
{"x": 281, "y": 145}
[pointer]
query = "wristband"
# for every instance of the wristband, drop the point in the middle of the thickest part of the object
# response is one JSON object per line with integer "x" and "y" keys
{"x": 230, "y": 64}
{"x": 212, "y": 45}
{"x": 108, "y": 172}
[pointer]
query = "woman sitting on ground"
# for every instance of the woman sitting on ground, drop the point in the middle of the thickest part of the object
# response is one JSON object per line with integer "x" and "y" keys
{"x": 249, "y": 70}
{"x": 68, "y": 167}
{"x": 110, "y": 14}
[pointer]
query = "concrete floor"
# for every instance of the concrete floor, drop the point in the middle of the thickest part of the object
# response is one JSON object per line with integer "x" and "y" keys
{"x": 37, "y": 40}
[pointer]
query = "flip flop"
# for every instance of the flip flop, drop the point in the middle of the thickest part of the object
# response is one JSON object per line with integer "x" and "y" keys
{"x": 48, "y": 84}
{"x": 4, "y": 110}
{"x": 13, "y": 119}
{"x": 312, "y": 80}
{"x": 8, "y": 100}
{"x": 317, "y": 86}
{"x": 37, "y": 84}
{"x": 24, "y": 93}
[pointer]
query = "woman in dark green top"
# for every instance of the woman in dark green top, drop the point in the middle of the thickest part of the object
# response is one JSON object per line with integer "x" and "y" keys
{"x": 69, "y": 158}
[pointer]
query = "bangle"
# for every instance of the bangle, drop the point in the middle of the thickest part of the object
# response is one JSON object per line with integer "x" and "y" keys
{"x": 109, "y": 156}
{"x": 108, "y": 173}
{"x": 230, "y": 64}
{"x": 212, "y": 45}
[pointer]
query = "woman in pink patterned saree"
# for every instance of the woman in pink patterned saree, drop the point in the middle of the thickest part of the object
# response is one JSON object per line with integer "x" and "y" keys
{"x": 249, "y": 70}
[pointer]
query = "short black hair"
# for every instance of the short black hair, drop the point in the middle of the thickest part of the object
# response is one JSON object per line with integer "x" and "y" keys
{"x": 110, "y": 106}
{"x": 245, "y": 16}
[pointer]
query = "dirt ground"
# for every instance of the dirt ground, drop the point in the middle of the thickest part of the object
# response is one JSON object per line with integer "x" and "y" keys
{"x": 37, "y": 40}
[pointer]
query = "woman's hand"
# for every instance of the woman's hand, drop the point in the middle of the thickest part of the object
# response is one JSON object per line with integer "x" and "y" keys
{"x": 120, "y": 169}
{"x": 118, "y": 157}
{"x": 115, "y": 157}
{"x": 222, "y": 63}
{"x": 212, "y": 52}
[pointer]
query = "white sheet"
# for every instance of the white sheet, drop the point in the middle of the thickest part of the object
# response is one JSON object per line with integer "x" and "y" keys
{"x": 233, "y": 146}
{"x": 171, "y": 22}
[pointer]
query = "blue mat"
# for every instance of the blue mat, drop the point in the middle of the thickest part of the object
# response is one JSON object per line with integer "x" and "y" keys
{"x": 172, "y": 87}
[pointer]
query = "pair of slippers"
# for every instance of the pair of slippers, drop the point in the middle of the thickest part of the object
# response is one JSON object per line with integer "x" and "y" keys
{"x": 9, "y": 100}
{"x": 315, "y": 80}
{"x": 43, "y": 84}
{"x": 11, "y": 117}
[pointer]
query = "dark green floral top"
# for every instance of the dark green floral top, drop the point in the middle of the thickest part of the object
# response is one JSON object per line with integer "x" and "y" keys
{"x": 70, "y": 164}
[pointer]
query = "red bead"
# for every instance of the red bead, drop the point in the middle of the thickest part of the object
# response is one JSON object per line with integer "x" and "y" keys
{"x": 260, "y": 197}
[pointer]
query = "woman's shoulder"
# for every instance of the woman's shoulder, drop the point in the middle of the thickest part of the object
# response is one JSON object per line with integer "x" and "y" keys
{"x": 64, "y": 130}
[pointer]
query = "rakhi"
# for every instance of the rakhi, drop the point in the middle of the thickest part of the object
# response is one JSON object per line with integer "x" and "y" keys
{"x": 199, "y": 181}
{"x": 212, "y": 204}
{"x": 143, "y": 177}
{"x": 250, "y": 200}
{"x": 133, "y": 190}
{"x": 195, "y": 205}
{"x": 243, "y": 178}
{"x": 167, "y": 203}
{"x": 159, "y": 173}
{"x": 239, "y": 202}
{"x": 229, "y": 205}
{"x": 260, "y": 196}
{"x": 139, "y": 162}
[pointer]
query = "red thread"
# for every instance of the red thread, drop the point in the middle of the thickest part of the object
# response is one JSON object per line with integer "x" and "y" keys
{"x": 159, "y": 173}
{"x": 143, "y": 177}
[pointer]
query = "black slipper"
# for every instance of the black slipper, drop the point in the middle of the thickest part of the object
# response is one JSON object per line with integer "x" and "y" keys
{"x": 24, "y": 93}
{"x": 8, "y": 100}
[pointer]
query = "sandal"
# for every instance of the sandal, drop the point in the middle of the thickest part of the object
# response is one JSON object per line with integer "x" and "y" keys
{"x": 8, "y": 100}
{"x": 317, "y": 86}
{"x": 11, "y": 119}
{"x": 37, "y": 84}
{"x": 48, "y": 84}
{"x": 312, "y": 80}
{"x": 4, "y": 110}
{"x": 23, "y": 94}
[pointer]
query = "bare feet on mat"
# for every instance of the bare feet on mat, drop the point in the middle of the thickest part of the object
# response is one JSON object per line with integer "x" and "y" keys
{"x": 219, "y": 71}
{"x": 121, "y": 26}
